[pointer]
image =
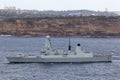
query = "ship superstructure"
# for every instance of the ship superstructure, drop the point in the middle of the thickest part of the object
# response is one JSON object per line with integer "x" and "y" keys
{"x": 48, "y": 54}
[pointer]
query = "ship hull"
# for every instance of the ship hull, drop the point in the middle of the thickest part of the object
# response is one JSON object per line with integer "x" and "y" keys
{"x": 58, "y": 60}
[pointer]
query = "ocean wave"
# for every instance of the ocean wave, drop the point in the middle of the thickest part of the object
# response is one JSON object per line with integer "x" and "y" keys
{"x": 5, "y": 35}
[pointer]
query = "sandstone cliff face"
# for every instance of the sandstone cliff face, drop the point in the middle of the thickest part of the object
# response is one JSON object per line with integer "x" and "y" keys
{"x": 74, "y": 26}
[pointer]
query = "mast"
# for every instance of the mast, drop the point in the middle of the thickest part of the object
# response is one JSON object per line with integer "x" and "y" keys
{"x": 48, "y": 43}
{"x": 69, "y": 46}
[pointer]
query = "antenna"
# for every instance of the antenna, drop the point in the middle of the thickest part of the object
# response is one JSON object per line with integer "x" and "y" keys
{"x": 69, "y": 46}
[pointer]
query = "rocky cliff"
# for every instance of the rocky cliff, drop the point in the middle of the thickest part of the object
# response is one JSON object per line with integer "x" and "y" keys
{"x": 94, "y": 26}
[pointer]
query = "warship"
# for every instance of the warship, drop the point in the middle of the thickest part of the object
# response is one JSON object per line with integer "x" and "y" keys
{"x": 48, "y": 54}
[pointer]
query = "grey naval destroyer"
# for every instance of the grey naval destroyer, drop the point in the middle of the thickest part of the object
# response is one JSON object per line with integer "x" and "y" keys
{"x": 54, "y": 56}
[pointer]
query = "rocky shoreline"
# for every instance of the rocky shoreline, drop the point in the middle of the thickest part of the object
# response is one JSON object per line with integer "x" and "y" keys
{"x": 91, "y": 26}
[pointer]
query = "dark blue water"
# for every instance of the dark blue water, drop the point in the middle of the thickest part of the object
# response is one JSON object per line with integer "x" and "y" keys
{"x": 61, "y": 71}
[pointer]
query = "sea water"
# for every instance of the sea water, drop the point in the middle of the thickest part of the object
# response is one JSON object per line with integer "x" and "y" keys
{"x": 10, "y": 45}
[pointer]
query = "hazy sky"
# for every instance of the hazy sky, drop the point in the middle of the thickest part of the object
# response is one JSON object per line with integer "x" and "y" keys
{"x": 111, "y": 5}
